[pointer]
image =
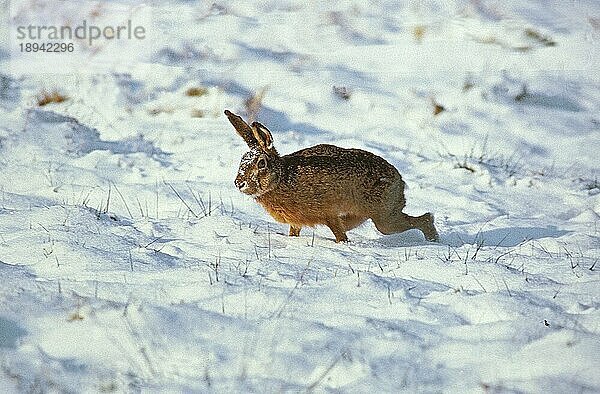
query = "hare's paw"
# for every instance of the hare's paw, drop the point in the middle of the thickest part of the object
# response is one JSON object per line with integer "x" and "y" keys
{"x": 343, "y": 239}
{"x": 429, "y": 230}
{"x": 295, "y": 231}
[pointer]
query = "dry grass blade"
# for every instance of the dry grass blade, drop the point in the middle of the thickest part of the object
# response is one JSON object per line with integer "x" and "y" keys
{"x": 196, "y": 92}
{"x": 182, "y": 200}
{"x": 49, "y": 97}
{"x": 253, "y": 104}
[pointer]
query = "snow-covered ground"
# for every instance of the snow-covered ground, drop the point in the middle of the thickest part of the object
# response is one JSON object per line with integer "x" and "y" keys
{"x": 129, "y": 261}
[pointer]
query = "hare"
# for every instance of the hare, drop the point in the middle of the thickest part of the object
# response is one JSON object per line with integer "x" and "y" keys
{"x": 340, "y": 188}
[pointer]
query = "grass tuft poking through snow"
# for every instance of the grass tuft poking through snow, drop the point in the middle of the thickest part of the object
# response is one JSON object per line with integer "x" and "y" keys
{"x": 50, "y": 97}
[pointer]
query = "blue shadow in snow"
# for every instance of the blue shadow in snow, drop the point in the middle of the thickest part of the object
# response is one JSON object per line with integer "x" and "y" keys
{"x": 550, "y": 102}
{"x": 82, "y": 140}
{"x": 276, "y": 121}
{"x": 10, "y": 332}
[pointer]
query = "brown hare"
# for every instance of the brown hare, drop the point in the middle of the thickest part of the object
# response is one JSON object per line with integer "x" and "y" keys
{"x": 324, "y": 184}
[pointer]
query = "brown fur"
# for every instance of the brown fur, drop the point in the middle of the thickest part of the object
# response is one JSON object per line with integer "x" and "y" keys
{"x": 324, "y": 184}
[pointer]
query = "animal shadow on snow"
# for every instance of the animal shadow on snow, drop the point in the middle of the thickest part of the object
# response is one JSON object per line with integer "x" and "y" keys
{"x": 411, "y": 237}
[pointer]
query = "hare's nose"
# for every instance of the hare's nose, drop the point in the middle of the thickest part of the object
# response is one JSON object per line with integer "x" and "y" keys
{"x": 241, "y": 185}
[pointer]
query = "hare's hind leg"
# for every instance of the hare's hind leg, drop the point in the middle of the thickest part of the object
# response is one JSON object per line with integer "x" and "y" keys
{"x": 389, "y": 218}
{"x": 295, "y": 231}
{"x": 399, "y": 222}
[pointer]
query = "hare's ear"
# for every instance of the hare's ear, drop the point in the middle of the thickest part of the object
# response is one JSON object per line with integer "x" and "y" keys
{"x": 263, "y": 137}
{"x": 242, "y": 129}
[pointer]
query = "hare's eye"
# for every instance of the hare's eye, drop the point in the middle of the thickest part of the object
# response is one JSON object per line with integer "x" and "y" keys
{"x": 262, "y": 163}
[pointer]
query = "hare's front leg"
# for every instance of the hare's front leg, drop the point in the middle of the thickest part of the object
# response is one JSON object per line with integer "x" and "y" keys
{"x": 337, "y": 228}
{"x": 295, "y": 231}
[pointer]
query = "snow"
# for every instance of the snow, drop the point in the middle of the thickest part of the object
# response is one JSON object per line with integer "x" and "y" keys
{"x": 130, "y": 262}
